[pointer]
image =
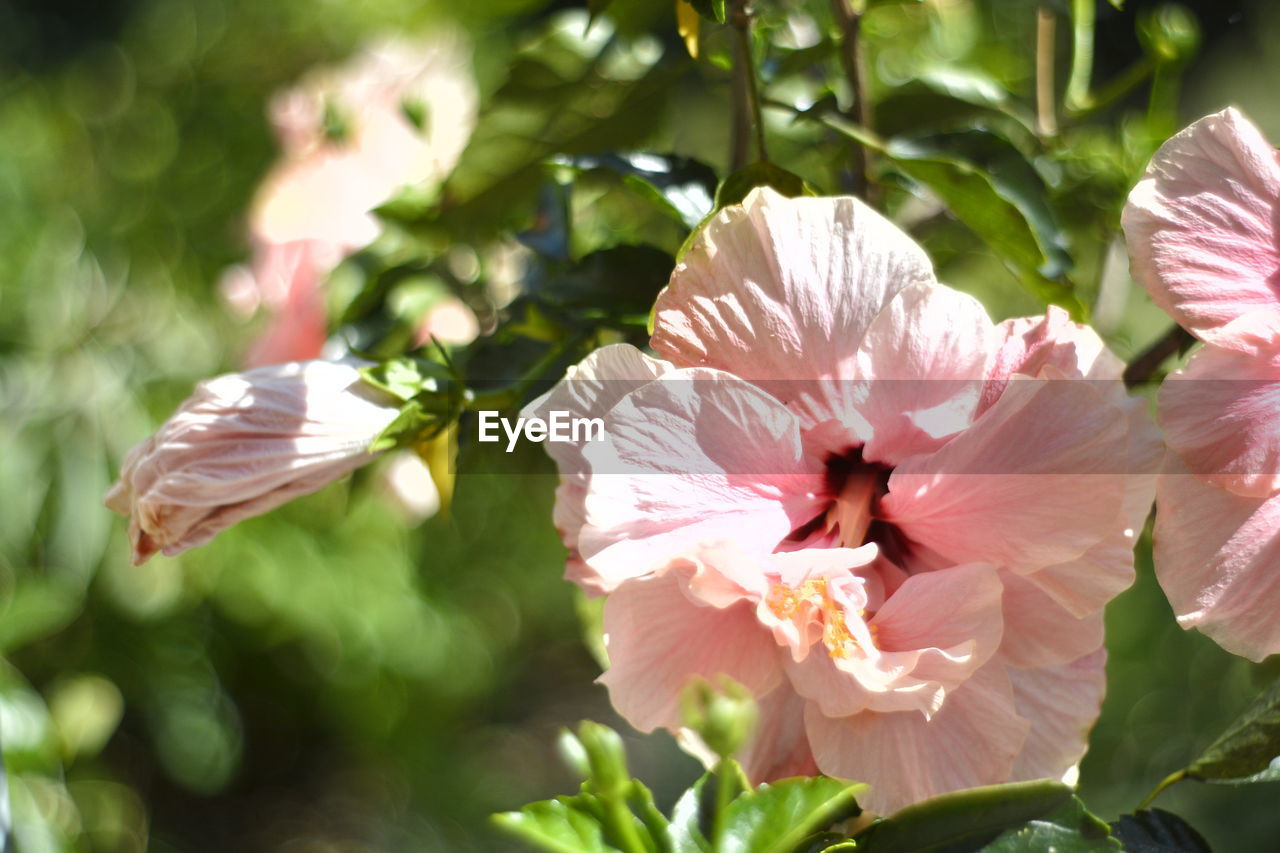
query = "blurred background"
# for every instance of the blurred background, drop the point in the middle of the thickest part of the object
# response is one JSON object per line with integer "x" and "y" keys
{"x": 361, "y": 671}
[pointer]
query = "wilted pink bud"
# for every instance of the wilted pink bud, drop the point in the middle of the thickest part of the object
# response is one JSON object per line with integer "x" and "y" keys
{"x": 243, "y": 444}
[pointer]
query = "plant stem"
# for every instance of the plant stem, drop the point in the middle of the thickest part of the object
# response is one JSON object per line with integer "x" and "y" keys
{"x": 1046, "y": 109}
{"x": 1082, "y": 24}
{"x": 746, "y": 90}
{"x": 1176, "y": 340}
{"x": 724, "y": 796}
{"x": 1177, "y": 776}
{"x": 1117, "y": 88}
{"x": 848, "y": 14}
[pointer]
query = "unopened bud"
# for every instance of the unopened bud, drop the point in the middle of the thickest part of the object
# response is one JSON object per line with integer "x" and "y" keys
{"x": 605, "y": 756}
{"x": 722, "y": 715}
{"x": 1169, "y": 34}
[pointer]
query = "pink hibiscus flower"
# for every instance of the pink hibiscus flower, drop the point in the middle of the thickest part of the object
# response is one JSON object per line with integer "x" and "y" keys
{"x": 893, "y": 520}
{"x": 315, "y": 206}
{"x": 1202, "y": 234}
{"x": 243, "y": 444}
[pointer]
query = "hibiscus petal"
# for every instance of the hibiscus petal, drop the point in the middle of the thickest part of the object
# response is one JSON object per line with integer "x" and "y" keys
{"x": 1037, "y": 480}
{"x": 779, "y": 746}
{"x": 696, "y": 456}
{"x": 943, "y": 610}
{"x": 1216, "y": 554}
{"x": 930, "y": 636}
{"x": 1221, "y": 414}
{"x": 924, "y": 356}
{"x": 1085, "y": 585}
{"x": 905, "y": 758}
{"x": 1201, "y": 224}
{"x": 1039, "y": 631}
{"x": 782, "y": 290}
{"x": 1028, "y": 345}
{"x": 1062, "y": 703}
{"x": 589, "y": 389}
{"x": 658, "y": 639}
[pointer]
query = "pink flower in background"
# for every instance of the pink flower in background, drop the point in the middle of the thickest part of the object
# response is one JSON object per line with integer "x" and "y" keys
{"x": 893, "y": 520}
{"x": 406, "y": 110}
{"x": 1203, "y": 236}
{"x": 243, "y": 444}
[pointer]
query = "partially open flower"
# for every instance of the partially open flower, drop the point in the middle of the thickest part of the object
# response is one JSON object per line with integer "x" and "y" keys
{"x": 1203, "y": 233}
{"x": 243, "y": 444}
{"x": 894, "y": 521}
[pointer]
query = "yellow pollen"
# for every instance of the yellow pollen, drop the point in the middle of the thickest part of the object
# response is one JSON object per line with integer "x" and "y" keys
{"x": 786, "y": 602}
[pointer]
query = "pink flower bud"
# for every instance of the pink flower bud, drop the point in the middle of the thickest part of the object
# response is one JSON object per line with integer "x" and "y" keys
{"x": 243, "y": 444}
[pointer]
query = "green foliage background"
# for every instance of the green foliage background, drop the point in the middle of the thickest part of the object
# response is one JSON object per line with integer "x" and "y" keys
{"x": 327, "y": 677}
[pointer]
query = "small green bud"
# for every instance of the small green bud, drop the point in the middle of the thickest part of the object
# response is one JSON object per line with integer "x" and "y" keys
{"x": 723, "y": 716}
{"x": 1169, "y": 34}
{"x": 573, "y": 753}
{"x": 606, "y": 758}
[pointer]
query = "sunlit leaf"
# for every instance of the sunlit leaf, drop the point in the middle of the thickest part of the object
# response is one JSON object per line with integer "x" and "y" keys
{"x": 690, "y": 821}
{"x": 562, "y": 825}
{"x": 1013, "y": 177}
{"x": 407, "y": 376}
{"x": 778, "y": 817}
{"x": 565, "y": 94}
{"x": 992, "y": 208}
{"x": 1038, "y": 836}
{"x": 684, "y": 186}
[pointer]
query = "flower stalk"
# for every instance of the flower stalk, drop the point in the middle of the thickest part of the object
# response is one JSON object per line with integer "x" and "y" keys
{"x": 748, "y": 116}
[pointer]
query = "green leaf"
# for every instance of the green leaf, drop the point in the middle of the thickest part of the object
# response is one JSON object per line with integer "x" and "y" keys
{"x": 945, "y": 96}
{"x": 1158, "y": 831}
{"x": 690, "y": 821}
{"x": 777, "y": 818}
{"x": 610, "y": 284}
{"x": 420, "y": 419}
{"x": 1037, "y": 836}
{"x": 408, "y": 376}
{"x": 1014, "y": 178}
{"x": 712, "y": 10}
{"x": 736, "y": 186}
{"x": 1004, "y": 205}
{"x": 36, "y": 607}
{"x": 965, "y": 819}
{"x": 562, "y": 825}
{"x": 1249, "y": 750}
{"x": 565, "y": 94}
{"x": 682, "y": 186}
{"x": 640, "y": 801}
{"x": 999, "y": 210}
